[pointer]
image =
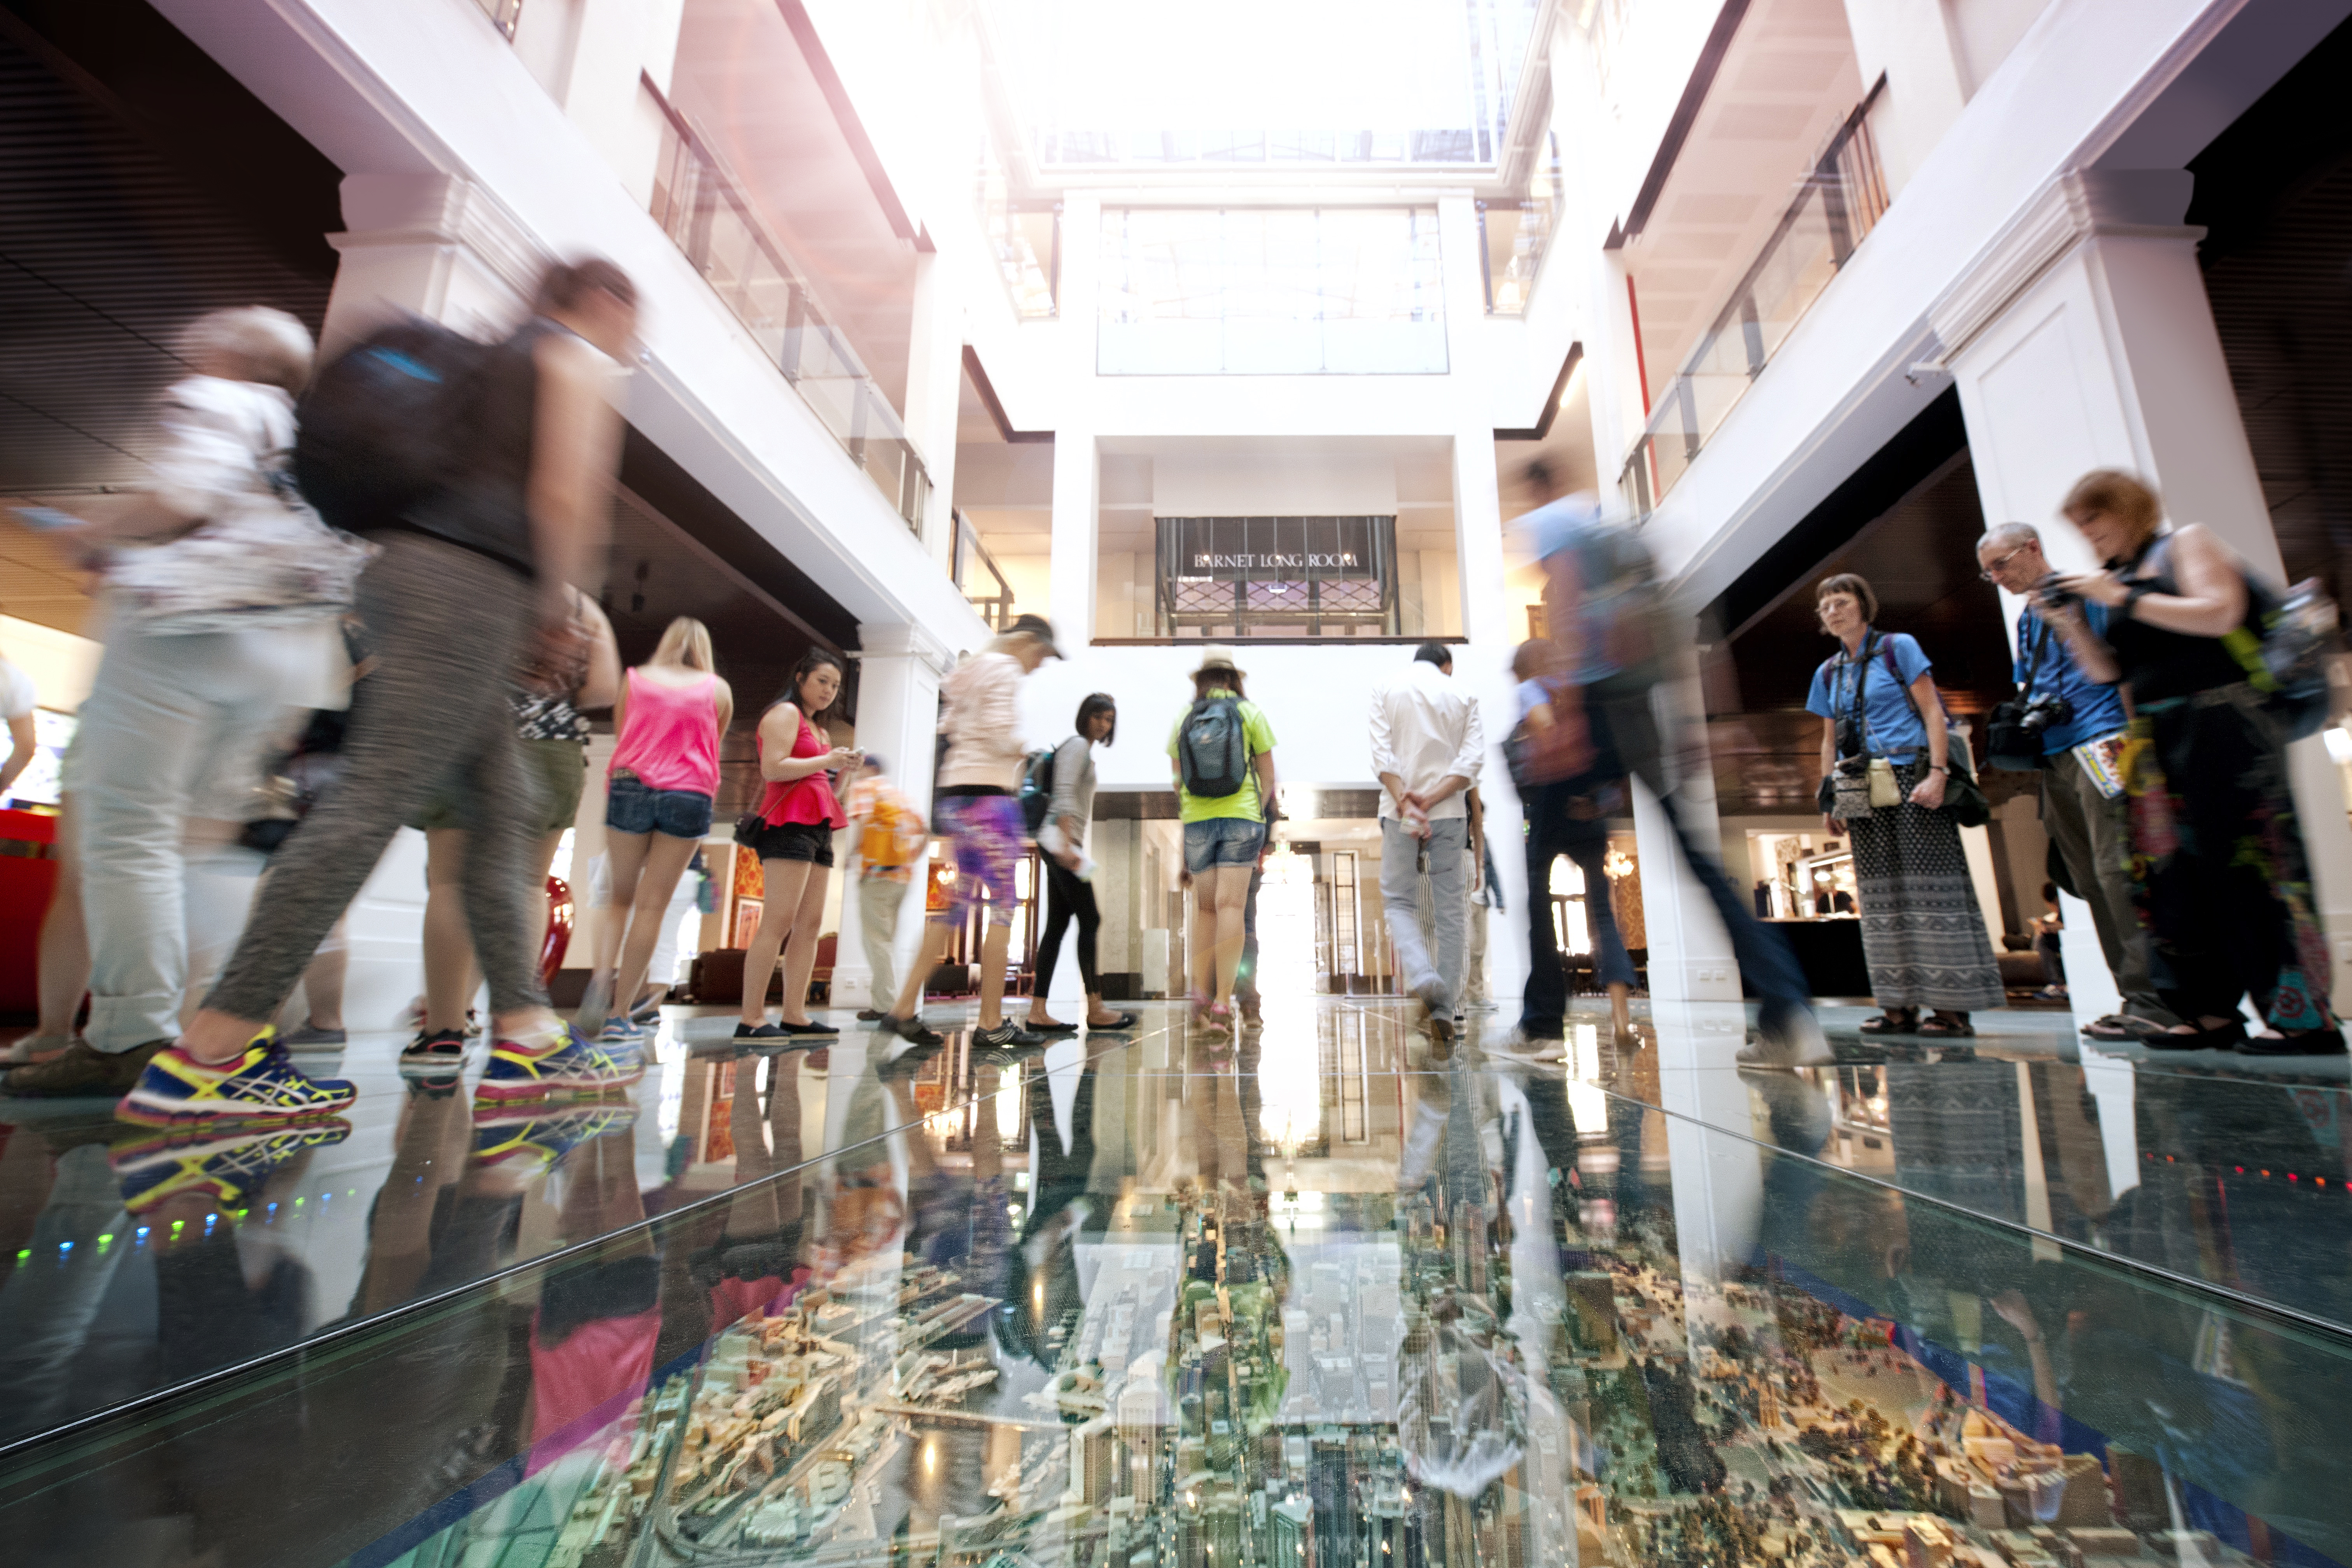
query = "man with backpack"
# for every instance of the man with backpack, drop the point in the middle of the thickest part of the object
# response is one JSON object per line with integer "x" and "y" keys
{"x": 1427, "y": 747}
{"x": 1221, "y": 758}
{"x": 1605, "y": 610}
{"x": 476, "y": 559}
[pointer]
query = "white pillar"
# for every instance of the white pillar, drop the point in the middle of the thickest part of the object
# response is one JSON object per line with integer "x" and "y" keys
{"x": 1690, "y": 950}
{"x": 2083, "y": 339}
{"x": 934, "y": 382}
{"x": 899, "y": 671}
{"x": 1070, "y": 593}
{"x": 436, "y": 245}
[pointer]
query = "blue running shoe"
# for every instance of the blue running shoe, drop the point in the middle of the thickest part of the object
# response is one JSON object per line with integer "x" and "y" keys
{"x": 621, "y": 1032}
{"x": 227, "y": 1164}
{"x": 261, "y": 1085}
{"x": 529, "y": 1140}
{"x": 572, "y": 1066}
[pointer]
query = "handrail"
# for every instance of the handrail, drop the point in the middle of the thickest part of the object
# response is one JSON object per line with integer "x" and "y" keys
{"x": 1849, "y": 188}
{"x": 996, "y": 608}
{"x": 702, "y": 210}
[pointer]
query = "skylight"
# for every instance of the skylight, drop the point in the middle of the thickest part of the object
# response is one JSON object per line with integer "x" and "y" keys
{"x": 1278, "y": 82}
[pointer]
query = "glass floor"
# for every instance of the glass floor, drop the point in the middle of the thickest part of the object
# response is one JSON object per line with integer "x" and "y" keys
{"x": 1311, "y": 1300}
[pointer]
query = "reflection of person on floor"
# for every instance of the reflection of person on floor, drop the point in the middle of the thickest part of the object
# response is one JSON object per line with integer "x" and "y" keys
{"x": 756, "y": 1259}
{"x": 592, "y": 1340}
{"x": 1041, "y": 1268}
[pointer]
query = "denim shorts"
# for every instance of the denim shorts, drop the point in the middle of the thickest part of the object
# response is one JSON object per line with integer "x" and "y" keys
{"x": 1222, "y": 841}
{"x": 632, "y": 807}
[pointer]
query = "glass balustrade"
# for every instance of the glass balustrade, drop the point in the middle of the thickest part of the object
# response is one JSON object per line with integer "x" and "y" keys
{"x": 1838, "y": 203}
{"x": 701, "y": 209}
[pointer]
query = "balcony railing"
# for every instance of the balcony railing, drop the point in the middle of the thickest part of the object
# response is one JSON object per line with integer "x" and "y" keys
{"x": 503, "y": 15}
{"x": 701, "y": 209}
{"x": 995, "y": 609}
{"x": 1839, "y": 201}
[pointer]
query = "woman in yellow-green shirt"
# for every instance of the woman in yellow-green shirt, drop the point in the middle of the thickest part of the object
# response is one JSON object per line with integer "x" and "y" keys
{"x": 1221, "y": 756}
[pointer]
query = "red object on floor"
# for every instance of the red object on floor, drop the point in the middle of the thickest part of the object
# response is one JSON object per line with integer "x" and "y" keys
{"x": 28, "y": 877}
{"x": 558, "y": 930}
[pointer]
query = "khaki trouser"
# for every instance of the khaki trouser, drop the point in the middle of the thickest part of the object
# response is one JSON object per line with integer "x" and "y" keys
{"x": 879, "y": 899}
{"x": 2088, "y": 829}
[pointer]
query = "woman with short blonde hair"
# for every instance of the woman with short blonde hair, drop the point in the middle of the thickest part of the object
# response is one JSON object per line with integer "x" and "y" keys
{"x": 663, "y": 778}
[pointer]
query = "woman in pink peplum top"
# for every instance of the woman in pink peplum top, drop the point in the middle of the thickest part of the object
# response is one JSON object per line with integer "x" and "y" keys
{"x": 663, "y": 777}
{"x": 798, "y": 815}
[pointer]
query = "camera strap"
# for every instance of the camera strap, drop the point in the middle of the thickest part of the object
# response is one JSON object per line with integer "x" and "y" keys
{"x": 2040, "y": 641}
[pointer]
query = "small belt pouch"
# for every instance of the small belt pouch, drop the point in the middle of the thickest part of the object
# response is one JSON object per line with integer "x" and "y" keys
{"x": 1851, "y": 791}
{"x": 1883, "y": 790}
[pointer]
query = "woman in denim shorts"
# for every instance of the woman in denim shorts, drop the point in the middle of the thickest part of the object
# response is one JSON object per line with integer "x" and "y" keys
{"x": 1224, "y": 833}
{"x": 663, "y": 777}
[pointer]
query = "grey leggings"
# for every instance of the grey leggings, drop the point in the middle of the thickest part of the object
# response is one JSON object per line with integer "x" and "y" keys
{"x": 431, "y": 717}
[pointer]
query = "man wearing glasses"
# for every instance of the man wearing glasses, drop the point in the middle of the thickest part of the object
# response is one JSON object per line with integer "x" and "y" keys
{"x": 2078, "y": 770}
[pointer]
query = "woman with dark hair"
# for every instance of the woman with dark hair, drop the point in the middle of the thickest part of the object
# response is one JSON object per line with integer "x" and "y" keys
{"x": 2221, "y": 874}
{"x": 1069, "y": 890}
{"x": 798, "y": 813}
{"x": 1922, "y": 932}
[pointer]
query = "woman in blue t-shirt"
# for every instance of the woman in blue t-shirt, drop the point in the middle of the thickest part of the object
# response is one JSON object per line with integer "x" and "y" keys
{"x": 1922, "y": 932}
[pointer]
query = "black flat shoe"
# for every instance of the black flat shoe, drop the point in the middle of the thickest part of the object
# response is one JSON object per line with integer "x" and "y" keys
{"x": 2297, "y": 1043}
{"x": 2230, "y": 1036}
{"x": 1124, "y": 1021}
{"x": 1036, "y": 1029}
{"x": 811, "y": 1029}
{"x": 759, "y": 1032}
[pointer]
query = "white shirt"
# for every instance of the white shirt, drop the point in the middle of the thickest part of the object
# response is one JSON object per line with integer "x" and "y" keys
{"x": 1425, "y": 727}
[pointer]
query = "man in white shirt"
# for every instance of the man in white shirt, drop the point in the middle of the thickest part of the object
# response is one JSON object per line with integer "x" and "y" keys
{"x": 1427, "y": 746}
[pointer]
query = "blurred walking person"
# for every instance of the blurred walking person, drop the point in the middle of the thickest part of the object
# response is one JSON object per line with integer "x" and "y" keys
{"x": 222, "y": 589}
{"x": 63, "y": 960}
{"x": 2222, "y": 878}
{"x": 467, "y": 579}
{"x": 551, "y": 732}
{"x": 890, "y": 834}
{"x": 1427, "y": 748}
{"x": 1605, "y": 610}
{"x": 798, "y": 812}
{"x": 1569, "y": 816}
{"x": 660, "y": 784}
{"x": 1221, "y": 756}
{"x": 1069, "y": 888}
{"x": 976, "y": 809}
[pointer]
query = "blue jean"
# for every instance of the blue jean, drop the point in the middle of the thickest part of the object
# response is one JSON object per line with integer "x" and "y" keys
{"x": 1222, "y": 841}
{"x": 633, "y": 806}
{"x": 1444, "y": 858}
{"x": 175, "y": 728}
{"x": 1551, "y": 833}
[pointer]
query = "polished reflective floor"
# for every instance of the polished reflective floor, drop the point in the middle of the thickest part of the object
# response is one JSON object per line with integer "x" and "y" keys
{"x": 1171, "y": 1300}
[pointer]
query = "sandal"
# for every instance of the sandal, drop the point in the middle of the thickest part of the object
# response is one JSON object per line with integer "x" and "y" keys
{"x": 2294, "y": 1043}
{"x": 1894, "y": 1021}
{"x": 1941, "y": 1027}
{"x": 2230, "y": 1036}
{"x": 2122, "y": 1028}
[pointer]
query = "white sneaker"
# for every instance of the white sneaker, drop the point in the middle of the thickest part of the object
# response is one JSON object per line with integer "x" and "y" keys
{"x": 1524, "y": 1048}
{"x": 1799, "y": 1043}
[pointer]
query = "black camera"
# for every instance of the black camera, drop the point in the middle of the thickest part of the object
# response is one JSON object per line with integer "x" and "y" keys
{"x": 2042, "y": 710}
{"x": 2054, "y": 594}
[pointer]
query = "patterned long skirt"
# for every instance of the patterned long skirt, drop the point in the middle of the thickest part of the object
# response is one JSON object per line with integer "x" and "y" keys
{"x": 2218, "y": 862}
{"x": 1922, "y": 933}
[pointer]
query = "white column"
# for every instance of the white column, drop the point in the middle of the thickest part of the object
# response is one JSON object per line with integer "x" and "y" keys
{"x": 899, "y": 671}
{"x": 1690, "y": 950}
{"x": 435, "y": 244}
{"x": 1077, "y": 474}
{"x": 2083, "y": 339}
{"x": 934, "y": 382}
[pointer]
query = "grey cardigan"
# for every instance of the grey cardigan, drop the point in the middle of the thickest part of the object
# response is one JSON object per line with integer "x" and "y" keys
{"x": 1073, "y": 784}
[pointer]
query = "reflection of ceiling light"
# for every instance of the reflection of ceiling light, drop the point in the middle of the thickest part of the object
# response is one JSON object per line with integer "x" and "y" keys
{"x": 1618, "y": 865}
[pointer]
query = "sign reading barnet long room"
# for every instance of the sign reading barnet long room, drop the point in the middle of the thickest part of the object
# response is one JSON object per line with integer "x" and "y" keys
{"x": 1266, "y": 547}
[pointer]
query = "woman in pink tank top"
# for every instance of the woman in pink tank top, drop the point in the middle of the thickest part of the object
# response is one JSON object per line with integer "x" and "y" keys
{"x": 797, "y": 816}
{"x": 659, "y": 786}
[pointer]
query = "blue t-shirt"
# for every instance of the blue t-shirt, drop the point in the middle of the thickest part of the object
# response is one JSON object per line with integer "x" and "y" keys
{"x": 2098, "y": 710}
{"x": 1890, "y": 726}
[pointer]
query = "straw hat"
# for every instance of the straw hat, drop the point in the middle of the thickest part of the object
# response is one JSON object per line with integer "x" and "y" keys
{"x": 1217, "y": 656}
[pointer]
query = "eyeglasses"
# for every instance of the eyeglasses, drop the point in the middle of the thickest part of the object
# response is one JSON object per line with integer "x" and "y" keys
{"x": 1992, "y": 573}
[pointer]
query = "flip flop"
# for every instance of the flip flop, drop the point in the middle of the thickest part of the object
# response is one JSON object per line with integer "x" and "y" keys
{"x": 1943, "y": 1029}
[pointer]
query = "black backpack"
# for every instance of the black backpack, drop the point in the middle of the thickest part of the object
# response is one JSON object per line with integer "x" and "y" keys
{"x": 388, "y": 421}
{"x": 1038, "y": 788}
{"x": 1212, "y": 750}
